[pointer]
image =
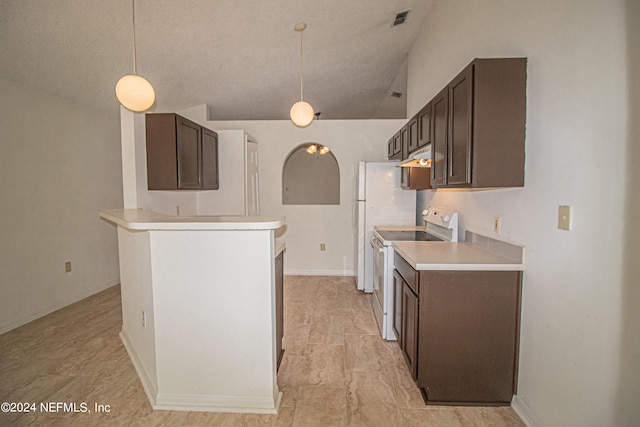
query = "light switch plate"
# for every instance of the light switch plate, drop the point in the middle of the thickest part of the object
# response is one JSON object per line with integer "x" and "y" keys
{"x": 564, "y": 217}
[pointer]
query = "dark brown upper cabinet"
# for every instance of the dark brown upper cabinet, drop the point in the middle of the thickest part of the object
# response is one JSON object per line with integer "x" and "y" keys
{"x": 181, "y": 155}
{"x": 210, "y": 174}
{"x": 394, "y": 147}
{"x": 478, "y": 126}
{"x": 424, "y": 126}
{"x": 459, "y": 141}
{"x": 412, "y": 136}
{"x": 404, "y": 142}
{"x": 412, "y": 178}
{"x": 439, "y": 121}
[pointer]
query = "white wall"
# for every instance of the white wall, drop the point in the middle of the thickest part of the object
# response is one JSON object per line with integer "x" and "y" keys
{"x": 214, "y": 311}
{"x": 310, "y": 225}
{"x": 60, "y": 165}
{"x": 570, "y": 359}
{"x": 627, "y": 408}
{"x": 136, "y": 290}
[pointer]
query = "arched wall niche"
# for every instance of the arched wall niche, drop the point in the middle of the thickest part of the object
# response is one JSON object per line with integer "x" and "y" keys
{"x": 310, "y": 179}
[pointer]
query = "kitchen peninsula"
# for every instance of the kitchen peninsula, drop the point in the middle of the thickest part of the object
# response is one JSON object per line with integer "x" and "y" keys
{"x": 199, "y": 308}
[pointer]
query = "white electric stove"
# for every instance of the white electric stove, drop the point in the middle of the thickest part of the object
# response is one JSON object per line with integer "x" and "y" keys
{"x": 441, "y": 224}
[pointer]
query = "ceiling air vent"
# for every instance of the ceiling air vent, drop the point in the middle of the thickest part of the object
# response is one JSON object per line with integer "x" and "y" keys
{"x": 396, "y": 94}
{"x": 400, "y": 18}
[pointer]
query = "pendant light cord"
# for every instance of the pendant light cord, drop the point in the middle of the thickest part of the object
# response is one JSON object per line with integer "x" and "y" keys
{"x": 133, "y": 34}
{"x": 301, "y": 92}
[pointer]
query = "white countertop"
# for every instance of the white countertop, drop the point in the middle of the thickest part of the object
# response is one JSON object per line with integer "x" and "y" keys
{"x": 453, "y": 256}
{"x": 141, "y": 219}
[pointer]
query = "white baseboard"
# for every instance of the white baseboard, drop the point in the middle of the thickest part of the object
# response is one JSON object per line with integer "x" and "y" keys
{"x": 199, "y": 403}
{"x": 319, "y": 272}
{"x": 524, "y": 412}
{"x": 237, "y": 404}
{"x": 30, "y": 317}
{"x": 148, "y": 385}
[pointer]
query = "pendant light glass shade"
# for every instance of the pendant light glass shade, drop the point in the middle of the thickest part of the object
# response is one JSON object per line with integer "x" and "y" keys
{"x": 301, "y": 114}
{"x": 135, "y": 93}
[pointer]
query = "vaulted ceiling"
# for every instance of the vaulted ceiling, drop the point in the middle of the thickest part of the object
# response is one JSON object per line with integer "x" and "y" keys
{"x": 240, "y": 57}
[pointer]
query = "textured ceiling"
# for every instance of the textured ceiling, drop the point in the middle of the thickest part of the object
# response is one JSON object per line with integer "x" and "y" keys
{"x": 240, "y": 57}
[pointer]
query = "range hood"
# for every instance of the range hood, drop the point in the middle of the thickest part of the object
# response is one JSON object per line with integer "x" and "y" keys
{"x": 419, "y": 159}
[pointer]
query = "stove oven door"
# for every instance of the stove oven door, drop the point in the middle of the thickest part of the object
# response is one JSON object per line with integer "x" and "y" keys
{"x": 377, "y": 302}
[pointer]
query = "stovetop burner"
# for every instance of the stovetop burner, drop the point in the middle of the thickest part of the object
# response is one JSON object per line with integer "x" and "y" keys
{"x": 407, "y": 235}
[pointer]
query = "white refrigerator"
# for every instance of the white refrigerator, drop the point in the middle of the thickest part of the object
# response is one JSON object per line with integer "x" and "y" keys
{"x": 379, "y": 201}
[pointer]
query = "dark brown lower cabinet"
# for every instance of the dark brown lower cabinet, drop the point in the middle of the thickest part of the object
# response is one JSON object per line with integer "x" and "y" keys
{"x": 405, "y": 322}
{"x": 398, "y": 286}
{"x": 279, "y": 306}
{"x": 464, "y": 349}
{"x": 410, "y": 329}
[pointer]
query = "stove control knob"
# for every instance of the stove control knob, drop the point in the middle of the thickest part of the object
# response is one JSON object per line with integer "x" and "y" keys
{"x": 445, "y": 218}
{"x": 425, "y": 212}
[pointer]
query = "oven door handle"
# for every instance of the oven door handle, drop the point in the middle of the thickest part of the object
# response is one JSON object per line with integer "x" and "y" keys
{"x": 376, "y": 244}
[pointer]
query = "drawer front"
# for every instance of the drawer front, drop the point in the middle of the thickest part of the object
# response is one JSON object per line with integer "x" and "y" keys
{"x": 407, "y": 272}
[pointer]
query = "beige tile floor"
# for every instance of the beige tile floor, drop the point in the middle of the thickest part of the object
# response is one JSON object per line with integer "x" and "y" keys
{"x": 336, "y": 371}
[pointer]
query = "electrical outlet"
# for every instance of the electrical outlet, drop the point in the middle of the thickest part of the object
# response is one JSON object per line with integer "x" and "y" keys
{"x": 144, "y": 319}
{"x": 564, "y": 217}
{"x": 67, "y": 266}
{"x": 497, "y": 224}
{"x": 322, "y": 247}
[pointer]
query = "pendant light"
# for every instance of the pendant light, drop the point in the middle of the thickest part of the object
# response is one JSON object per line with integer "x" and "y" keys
{"x": 134, "y": 92}
{"x": 301, "y": 112}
